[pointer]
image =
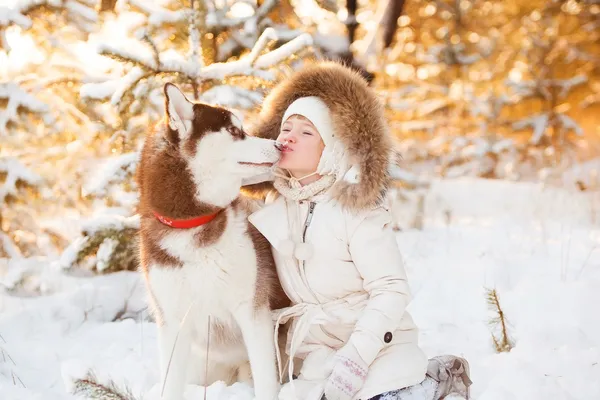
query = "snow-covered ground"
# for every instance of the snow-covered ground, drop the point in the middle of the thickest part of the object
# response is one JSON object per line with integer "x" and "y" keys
{"x": 539, "y": 248}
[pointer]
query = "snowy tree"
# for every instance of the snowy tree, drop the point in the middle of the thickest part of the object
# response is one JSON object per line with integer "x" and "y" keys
{"x": 555, "y": 56}
{"x": 154, "y": 54}
{"x": 211, "y": 34}
{"x": 15, "y": 181}
{"x": 445, "y": 95}
{"x": 80, "y": 90}
{"x": 42, "y": 121}
{"x": 486, "y": 86}
{"x": 443, "y": 65}
{"x": 40, "y": 73}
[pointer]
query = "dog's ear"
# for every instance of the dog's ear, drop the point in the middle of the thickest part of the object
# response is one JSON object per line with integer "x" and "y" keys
{"x": 180, "y": 111}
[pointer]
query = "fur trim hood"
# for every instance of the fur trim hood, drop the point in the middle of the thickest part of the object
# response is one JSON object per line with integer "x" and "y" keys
{"x": 359, "y": 124}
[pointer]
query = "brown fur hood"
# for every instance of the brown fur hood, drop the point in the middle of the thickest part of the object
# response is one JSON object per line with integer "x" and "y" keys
{"x": 359, "y": 123}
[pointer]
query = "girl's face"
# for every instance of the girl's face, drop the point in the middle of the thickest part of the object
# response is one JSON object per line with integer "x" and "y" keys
{"x": 302, "y": 146}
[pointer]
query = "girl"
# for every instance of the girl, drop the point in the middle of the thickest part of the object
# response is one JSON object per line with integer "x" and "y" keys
{"x": 337, "y": 258}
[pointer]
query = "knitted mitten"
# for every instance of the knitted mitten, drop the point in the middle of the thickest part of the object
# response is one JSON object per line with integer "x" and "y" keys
{"x": 348, "y": 375}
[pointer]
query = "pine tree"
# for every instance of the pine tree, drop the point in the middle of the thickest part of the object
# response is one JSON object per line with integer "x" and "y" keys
{"x": 554, "y": 60}
{"x": 40, "y": 114}
{"x": 184, "y": 51}
{"x": 74, "y": 111}
{"x": 16, "y": 181}
{"x": 491, "y": 88}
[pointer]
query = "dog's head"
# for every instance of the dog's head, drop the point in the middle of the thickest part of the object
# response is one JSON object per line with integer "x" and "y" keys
{"x": 218, "y": 153}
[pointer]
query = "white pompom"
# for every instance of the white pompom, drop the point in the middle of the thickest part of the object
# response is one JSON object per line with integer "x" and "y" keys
{"x": 286, "y": 247}
{"x": 303, "y": 251}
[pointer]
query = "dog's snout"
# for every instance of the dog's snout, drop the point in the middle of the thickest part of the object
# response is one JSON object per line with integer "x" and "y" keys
{"x": 279, "y": 146}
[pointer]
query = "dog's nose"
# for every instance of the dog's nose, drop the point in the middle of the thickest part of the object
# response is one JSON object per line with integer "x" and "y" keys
{"x": 279, "y": 146}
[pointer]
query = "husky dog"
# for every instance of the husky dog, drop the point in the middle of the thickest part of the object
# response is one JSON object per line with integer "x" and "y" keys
{"x": 210, "y": 275}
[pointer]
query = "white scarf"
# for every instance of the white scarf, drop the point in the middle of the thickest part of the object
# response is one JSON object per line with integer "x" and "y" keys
{"x": 291, "y": 189}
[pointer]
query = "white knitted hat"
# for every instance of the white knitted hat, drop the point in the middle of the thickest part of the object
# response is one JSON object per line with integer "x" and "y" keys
{"x": 317, "y": 112}
{"x": 333, "y": 160}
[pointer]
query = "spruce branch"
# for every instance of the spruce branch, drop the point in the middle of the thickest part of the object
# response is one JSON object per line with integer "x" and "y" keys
{"x": 89, "y": 388}
{"x": 147, "y": 39}
{"x": 124, "y": 254}
{"x": 503, "y": 343}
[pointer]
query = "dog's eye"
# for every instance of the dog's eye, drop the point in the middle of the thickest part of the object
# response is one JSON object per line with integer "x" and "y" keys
{"x": 235, "y": 131}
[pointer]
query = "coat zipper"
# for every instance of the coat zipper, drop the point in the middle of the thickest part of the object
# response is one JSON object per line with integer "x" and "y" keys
{"x": 311, "y": 209}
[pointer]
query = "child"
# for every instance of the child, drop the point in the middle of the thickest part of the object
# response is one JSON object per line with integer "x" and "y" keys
{"x": 336, "y": 255}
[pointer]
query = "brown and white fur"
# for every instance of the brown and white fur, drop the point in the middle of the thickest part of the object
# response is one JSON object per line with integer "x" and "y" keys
{"x": 194, "y": 165}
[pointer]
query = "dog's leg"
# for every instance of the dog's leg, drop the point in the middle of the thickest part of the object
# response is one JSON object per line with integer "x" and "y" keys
{"x": 258, "y": 330}
{"x": 174, "y": 346}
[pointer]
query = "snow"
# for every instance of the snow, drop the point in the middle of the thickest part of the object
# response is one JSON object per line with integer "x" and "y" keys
{"x": 105, "y": 252}
{"x": 19, "y": 98}
{"x": 283, "y": 52}
{"x": 538, "y": 247}
{"x": 8, "y": 246}
{"x": 16, "y": 173}
{"x": 106, "y": 221}
{"x": 231, "y": 96}
{"x": 539, "y": 123}
{"x": 256, "y": 64}
{"x": 111, "y": 170}
{"x": 69, "y": 255}
{"x": 10, "y": 15}
{"x": 15, "y": 11}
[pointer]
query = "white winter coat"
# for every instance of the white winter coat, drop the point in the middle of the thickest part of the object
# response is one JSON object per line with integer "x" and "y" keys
{"x": 353, "y": 287}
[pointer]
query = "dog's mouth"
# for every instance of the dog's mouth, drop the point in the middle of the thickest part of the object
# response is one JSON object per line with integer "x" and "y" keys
{"x": 264, "y": 164}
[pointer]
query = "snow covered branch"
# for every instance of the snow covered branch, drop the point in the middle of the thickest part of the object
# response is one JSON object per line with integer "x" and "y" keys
{"x": 15, "y": 175}
{"x": 108, "y": 244}
{"x": 146, "y": 65}
{"x": 89, "y": 387}
{"x": 19, "y": 100}
{"x": 113, "y": 170}
{"x": 217, "y": 19}
{"x": 195, "y": 45}
{"x": 8, "y": 248}
{"x": 592, "y": 98}
{"x": 247, "y": 66}
{"x": 22, "y": 13}
{"x": 541, "y": 122}
{"x": 542, "y": 87}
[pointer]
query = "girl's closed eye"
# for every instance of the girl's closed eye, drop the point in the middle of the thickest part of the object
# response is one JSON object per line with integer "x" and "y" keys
{"x": 308, "y": 133}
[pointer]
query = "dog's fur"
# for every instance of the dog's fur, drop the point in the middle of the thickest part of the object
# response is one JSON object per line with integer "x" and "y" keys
{"x": 194, "y": 165}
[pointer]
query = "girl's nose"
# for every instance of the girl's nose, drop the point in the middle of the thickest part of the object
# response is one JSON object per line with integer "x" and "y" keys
{"x": 291, "y": 138}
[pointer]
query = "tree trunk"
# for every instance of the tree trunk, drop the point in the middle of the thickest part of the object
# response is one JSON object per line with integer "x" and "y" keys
{"x": 390, "y": 21}
{"x": 107, "y": 5}
{"x": 351, "y": 25}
